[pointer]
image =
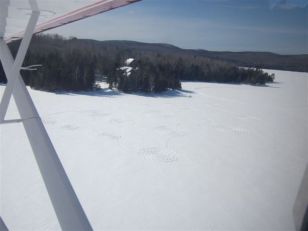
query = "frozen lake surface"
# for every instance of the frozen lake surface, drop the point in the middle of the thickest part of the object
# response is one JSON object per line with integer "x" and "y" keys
{"x": 212, "y": 157}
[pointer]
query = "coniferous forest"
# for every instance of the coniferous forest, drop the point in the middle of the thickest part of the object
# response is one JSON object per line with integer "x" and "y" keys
{"x": 74, "y": 65}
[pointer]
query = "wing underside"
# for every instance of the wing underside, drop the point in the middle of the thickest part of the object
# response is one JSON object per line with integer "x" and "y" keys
{"x": 14, "y": 14}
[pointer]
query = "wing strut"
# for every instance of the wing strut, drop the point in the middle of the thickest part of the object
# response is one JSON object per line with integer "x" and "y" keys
{"x": 68, "y": 209}
{"x": 3, "y": 226}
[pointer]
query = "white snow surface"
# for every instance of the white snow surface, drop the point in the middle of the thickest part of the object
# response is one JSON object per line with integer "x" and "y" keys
{"x": 129, "y": 61}
{"x": 210, "y": 157}
{"x": 127, "y": 69}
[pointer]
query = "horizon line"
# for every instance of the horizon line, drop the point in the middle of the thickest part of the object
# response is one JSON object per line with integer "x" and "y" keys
{"x": 176, "y": 46}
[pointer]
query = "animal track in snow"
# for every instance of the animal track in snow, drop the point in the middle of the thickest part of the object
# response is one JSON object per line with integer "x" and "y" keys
{"x": 236, "y": 130}
{"x": 161, "y": 155}
{"x": 70, "y": 127}
{"x": 110, "y": 136}
{"x": 96, "y": 113}
{"x": 249, "y": 118}
{"x": 152, "y": 112}
{"x": 220, "y": 128}
{"x": 178, "y": 133}
{"x": 49, "y": 121}
{"x": 116, "y": 121}
{"x": 240, "y": 131}
{"x": 162, "y": 128}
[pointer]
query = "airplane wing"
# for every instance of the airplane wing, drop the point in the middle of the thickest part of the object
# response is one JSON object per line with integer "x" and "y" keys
{"x": 14, "y": 14}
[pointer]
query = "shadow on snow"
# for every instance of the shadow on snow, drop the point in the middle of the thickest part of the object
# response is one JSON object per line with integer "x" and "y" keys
{"x": 105, "y": 92}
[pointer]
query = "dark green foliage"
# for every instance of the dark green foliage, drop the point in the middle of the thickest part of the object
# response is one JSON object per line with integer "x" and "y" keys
{"x": 73, "y": 64}
{"x": 69, "y": 70}
{"x": 63, "y": 68}
{"x": 146, "y": 76}
{"x": 265, "y": 60}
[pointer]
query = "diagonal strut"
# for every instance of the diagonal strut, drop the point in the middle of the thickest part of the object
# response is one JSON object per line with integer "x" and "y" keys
{"x": 68, "y": 209}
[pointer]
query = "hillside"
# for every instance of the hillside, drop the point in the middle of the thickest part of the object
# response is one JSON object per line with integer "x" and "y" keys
{"x": 249, "y": 59}
{"x": 266, "y": 60}
{"x": 76, "y": 64}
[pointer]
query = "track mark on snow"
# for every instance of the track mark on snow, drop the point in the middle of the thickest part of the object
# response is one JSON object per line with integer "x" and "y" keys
{"x": 177, "y": 134}
{"x": 116, "y": 121}
{"x": 96, "y": 113}
{"x": 162, "y": 128}
{"x": 249, "y": 118}
{"x": 161, "y": 155}
{"x": 110, "y": 136}
{"x": 240, "y": 131}
{"x": 49, "y": 121}
{"x": 70, "y": 127}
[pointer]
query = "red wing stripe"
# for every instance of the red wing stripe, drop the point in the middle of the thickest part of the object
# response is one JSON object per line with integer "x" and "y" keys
{"x": 80, "y": 10}
{"x": 81, "y": 13}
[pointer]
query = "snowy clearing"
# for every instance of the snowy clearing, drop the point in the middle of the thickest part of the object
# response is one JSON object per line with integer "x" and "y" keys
{"x": 211, "y": 157}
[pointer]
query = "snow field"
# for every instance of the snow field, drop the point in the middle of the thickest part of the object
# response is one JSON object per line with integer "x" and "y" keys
{"x": 211, "y": 157}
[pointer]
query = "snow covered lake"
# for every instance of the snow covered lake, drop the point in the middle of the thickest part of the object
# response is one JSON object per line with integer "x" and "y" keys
{"x": 212, "y": 157}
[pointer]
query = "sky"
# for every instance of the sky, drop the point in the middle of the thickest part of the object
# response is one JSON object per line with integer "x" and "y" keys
{"x": 279, "y": 26}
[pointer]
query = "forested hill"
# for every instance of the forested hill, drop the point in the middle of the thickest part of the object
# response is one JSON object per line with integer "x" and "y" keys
{"x": 76, "y": 64}
{"x": 265, "y": 60}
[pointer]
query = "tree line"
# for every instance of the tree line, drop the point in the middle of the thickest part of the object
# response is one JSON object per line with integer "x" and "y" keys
{"x": 74, "y": 65}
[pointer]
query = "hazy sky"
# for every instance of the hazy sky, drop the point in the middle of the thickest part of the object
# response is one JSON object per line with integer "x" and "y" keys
{"x": 233, "y": 25}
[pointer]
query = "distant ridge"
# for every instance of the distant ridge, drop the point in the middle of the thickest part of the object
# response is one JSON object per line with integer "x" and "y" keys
{"x": 267, "y": 60}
